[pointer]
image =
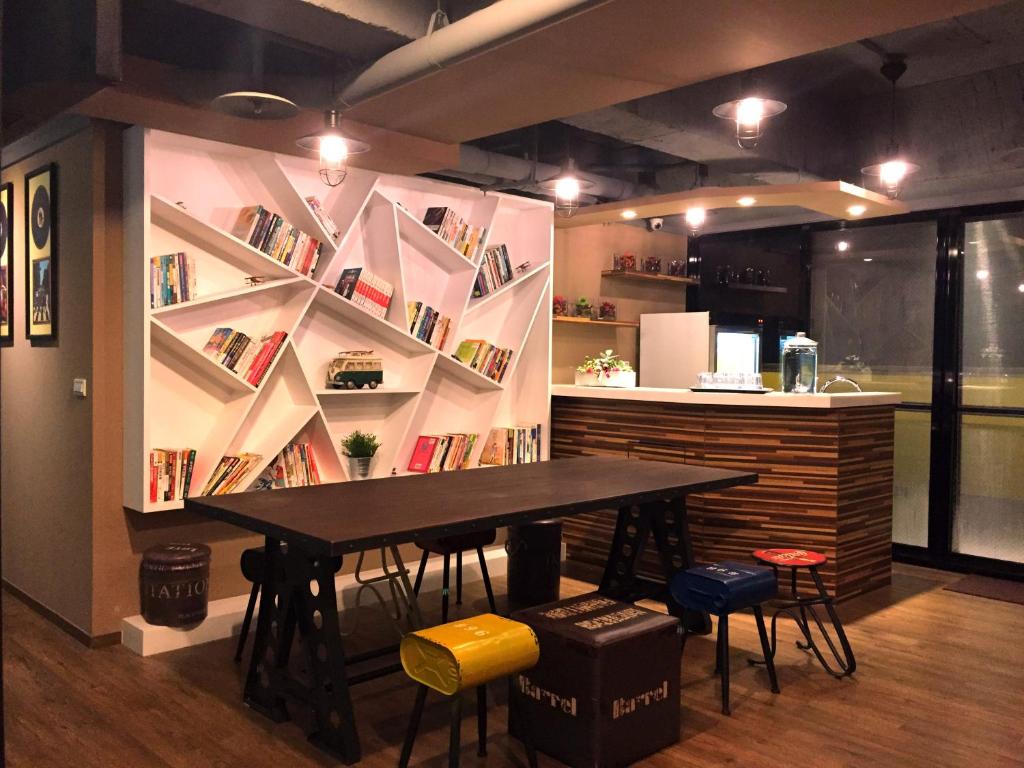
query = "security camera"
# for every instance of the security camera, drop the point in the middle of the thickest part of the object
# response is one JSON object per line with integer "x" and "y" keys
{"x": 653, "y": 225}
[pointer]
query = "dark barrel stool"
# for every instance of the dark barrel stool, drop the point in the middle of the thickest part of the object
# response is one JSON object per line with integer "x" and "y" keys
{"x": 456, "y": 545}
{"x": 254, "y": 566}
{"x": 801, "y": 607}
{"x": 721, "y": 589}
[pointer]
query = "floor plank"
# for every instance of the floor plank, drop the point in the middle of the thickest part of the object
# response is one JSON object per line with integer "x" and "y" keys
{"x": 940, "y": 682}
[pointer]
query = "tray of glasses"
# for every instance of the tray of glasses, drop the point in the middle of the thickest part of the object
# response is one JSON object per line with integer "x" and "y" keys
{"x": 761, "y": 391}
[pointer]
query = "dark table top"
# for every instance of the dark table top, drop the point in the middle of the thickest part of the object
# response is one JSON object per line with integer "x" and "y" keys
{"x": 338, "y": 518}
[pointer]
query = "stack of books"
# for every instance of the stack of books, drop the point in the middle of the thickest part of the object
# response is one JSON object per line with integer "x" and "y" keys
{"x": 427, "y": 324}
{"x": 230, "y": 473}
{"x": 442, "y": 453}
{"x": 267, "y": 232}
{"x": 172, "y": 279}
{"x": 484, "y": 357}
{"x": 370, "y": 292}
{"x": 323, "y": 217}
{"x": 293, "y": 467}
{"x": 454, "y": 230}
{"x": 170, "y": 473}
{"x": 495, "y": 271}
{"x": 512, "y": 445}
{"x": 243, "y": 355}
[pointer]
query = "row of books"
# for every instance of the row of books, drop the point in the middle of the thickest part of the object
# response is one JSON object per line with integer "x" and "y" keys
{"x": 172, "y": 279}
{"x": 484, "y": 357}
{"x": 170, "y": 473}
{"x": 442, "y": 453}
{"x": 230, "y": 473}
{"x": 293, "y": 467}
{"x": 427, "y": 324}
{"x": 456, "y": 231}
{"x": 323, "y": 217}
{"x": 267, "y": 232}
{"x": 367, "y": 290}
{"x": 495, "y": 271}
{"x": 512, "y": 445}
{"x": 243, "y": 355}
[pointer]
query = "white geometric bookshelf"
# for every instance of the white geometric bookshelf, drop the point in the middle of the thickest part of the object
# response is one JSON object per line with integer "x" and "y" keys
{"x": 177, "y": 397}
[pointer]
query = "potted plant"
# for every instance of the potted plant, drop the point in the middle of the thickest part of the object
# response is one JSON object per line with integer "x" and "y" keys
{"x": 605, "y": 370}
{"x": 582, "y": 307}
{"x": 560, "y": 306}
{"x": 607, "y": 310}
{"x": 360, "y": 448}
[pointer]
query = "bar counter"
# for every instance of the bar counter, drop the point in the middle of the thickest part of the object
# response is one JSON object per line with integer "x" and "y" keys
{"x": 825, "y": 463}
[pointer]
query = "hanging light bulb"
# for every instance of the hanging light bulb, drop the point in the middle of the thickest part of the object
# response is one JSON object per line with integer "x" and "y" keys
{"x": 893, "y": 171}
{"x": 566, "y": 189}
{"x": 749, "y": 114}
{"x": 333, "y": 148}
{"x": 695, "y": 219}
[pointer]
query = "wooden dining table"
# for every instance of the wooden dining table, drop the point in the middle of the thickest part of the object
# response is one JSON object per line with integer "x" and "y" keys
{"x": 308, "y": 529}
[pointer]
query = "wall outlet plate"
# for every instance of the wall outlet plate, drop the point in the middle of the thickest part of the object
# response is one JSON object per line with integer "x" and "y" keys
{"x": 79, "y": 387}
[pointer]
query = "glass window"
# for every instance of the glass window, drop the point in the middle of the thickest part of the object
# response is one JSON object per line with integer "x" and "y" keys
{"x": 873, "y": 306}
{"x": 911, "y": 470}
{"x": 993, "y": 303}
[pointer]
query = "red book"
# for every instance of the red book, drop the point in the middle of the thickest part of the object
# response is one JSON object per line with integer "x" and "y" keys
{"x": 276, "y": 342}
{"x": 152, "y": 477}
{"x": 258, "y": 361}
{"x": 423, "y": 453}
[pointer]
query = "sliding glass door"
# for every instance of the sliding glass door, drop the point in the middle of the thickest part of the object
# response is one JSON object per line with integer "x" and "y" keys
{"x": 988, "y": 512}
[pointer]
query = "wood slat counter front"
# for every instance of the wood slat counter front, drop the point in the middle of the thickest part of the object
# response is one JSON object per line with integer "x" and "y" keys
{"x": 825, "y": 464}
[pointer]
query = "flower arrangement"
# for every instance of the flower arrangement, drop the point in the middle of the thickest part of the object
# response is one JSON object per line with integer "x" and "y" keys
{"x": 582, "y": 306}
{"x": 607, "y": 310}
{"x": 604, "y": 364}
{"x": 560, "y": 306}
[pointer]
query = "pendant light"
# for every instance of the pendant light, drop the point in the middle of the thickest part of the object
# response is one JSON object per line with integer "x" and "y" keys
{"x": 566, "y": 187}
{"x": 894, "y": 169}
{"x": 334, "y": 149}
{"x": 257, "y": 103}
{"x": 749, "y": 115}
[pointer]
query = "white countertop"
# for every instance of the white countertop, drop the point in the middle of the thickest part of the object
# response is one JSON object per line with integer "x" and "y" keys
{"x": 770, "y": 400}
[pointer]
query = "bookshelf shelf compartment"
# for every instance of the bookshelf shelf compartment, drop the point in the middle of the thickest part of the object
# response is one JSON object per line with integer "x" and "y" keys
{"x": 177, "y": 397}
{"x": 606, "y": 323}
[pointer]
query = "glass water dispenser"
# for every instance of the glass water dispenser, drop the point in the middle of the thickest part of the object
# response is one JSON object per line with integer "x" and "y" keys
{"x": 800, "y": 364}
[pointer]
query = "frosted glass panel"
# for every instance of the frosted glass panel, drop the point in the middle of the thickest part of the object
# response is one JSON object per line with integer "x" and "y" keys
{"x": 989, "y": 518}
{"x": 910, "y": 484}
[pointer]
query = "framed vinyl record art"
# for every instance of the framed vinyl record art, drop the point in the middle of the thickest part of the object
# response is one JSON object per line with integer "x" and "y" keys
{"x": 41, "y": 254}
{"x": 6, "y": 265}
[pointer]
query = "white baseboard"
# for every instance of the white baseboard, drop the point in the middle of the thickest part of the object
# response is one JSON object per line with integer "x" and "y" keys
{"x": 224, "y": 617}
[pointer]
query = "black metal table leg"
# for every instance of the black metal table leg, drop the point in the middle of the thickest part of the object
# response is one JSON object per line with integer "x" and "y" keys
{"x": 414, "y": 726}
{"x": 671, "y": 531}
{"x": 300, "y": 590}
{"x": 632, "y": 529}
{"x": 481, "y": 720}
{"x": 723, "y": 642}
{"x": 455, "y": 734}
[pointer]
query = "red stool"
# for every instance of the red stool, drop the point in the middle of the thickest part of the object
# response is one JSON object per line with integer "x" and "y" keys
{"x": 801, "y": 607}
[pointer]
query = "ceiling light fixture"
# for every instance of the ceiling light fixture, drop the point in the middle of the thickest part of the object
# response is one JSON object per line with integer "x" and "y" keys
{"x": 856, "y": 210}
{"x": 868, "y": 258}
{"x": 566, "y": 189}
{"x": 892, "y": 171}
{"x": 334, "y": 149}
{"x": 630, "y": 214}
{"x": 746, "y": 202}
{"x": 695, "y": 219}
{"x": 748, "y": 114}
{"x": 255, "y": 102}
{"x": 1020, "y": 287}
{"x": 981, "y": 274}
{"x": 843, "y": 246}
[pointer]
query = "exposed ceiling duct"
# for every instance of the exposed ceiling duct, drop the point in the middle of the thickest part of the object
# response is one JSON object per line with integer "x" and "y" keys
{"x": 488, "y": 28}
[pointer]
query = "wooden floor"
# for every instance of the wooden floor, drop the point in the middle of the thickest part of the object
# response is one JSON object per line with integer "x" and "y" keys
{"x": 940, "y": 682}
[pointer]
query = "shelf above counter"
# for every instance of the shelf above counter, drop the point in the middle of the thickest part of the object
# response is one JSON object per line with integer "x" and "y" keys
{"x": 649, "y": 277}
{"x": 588, "y": 321}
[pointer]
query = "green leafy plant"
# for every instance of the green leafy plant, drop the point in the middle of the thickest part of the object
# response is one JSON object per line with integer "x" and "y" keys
{"x": 604, "y": 364}
{"x": 582, "y": 304}
{"x": 360, "y": 445}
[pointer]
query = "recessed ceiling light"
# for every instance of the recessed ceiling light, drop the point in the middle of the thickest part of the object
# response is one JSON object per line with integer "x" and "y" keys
{"x": 981, "y": 274}
{"x": 843, "y": 246}
{"x": 868, "y": 258}
{"x": 1021, "y": 287}
{"x": 630, "y": 214}
{"x": 746, "y": 202}
{"x": 856, "y": 210}
{"x": 695, "y": 218}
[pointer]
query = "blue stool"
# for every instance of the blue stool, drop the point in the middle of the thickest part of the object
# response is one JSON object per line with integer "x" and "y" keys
{"x": 721, "y": 589}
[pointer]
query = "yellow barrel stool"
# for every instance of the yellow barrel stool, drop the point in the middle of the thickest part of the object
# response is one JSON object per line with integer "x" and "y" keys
{"x": 451, "y": 658}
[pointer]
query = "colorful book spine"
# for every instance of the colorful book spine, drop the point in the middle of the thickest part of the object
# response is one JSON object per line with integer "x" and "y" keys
{"x": 271, "y": 234}
{"x": 512, "y": 445}
{"x": 486, "y": 358}
{"x": 464, "y": 237}
{"x": 172, "y": 280}
{"x": 170, "y": 474}
{"x": 366, "y": 290}
{"x": 442, "y": 453}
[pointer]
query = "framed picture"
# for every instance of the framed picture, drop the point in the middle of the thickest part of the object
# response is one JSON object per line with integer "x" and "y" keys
{"x": 6, "y": 265}
{"x": 41, "y": 254}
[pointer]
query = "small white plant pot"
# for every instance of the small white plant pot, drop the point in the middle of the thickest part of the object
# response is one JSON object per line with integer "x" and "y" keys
{"x": 615, "y": 379}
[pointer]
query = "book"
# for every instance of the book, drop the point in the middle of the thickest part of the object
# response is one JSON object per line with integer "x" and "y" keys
{"x": 484, "y": 357}
{"x": 464, "y": 237}
{"x": 271, "y": 234}
{"x": 229, "y": 473}
{"x": 323, "y": 217}
{"x": 427, "y": 324}
{"x": 495, "y": 271}
{"x": 294, "y": 467}
{"x": 512, "y": 445}
{"x": 170, "y": 474}
{"x": 442, "y": 453}
{"x": 172, "y": 280}
{"x": 366, "y": 290}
